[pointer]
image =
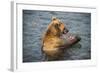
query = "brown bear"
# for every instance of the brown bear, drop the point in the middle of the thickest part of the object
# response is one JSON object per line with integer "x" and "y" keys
{"x": 56, "y": 39}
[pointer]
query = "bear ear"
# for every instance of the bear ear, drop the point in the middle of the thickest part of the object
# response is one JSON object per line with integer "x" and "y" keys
{"x": 54, "y": 18}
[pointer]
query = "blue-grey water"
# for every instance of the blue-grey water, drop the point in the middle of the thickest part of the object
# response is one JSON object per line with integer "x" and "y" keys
{"x": 35, "y": 24}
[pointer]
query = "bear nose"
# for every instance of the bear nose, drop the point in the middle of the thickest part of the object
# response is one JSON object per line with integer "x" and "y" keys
{"x": 65, "y": 31}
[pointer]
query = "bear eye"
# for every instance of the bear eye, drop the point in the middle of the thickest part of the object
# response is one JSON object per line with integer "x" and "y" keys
{"x": 56, "y": 26}
{"x": 59, "y": 24}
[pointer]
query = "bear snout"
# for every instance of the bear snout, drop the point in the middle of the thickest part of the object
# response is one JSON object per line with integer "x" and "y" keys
{"x": 65, "y": 31}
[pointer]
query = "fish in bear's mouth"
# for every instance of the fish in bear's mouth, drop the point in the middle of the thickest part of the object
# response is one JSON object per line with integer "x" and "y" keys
{"x": 70, "y": 39}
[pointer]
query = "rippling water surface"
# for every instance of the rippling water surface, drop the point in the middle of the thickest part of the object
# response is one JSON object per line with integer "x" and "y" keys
{"x": 36, "y": 22}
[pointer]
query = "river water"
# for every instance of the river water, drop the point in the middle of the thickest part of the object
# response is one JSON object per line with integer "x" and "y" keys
{"x": 35, "y": 23}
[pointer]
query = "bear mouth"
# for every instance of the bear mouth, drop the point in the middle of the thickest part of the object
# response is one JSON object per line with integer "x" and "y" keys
{"x": 65, "y": 31}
